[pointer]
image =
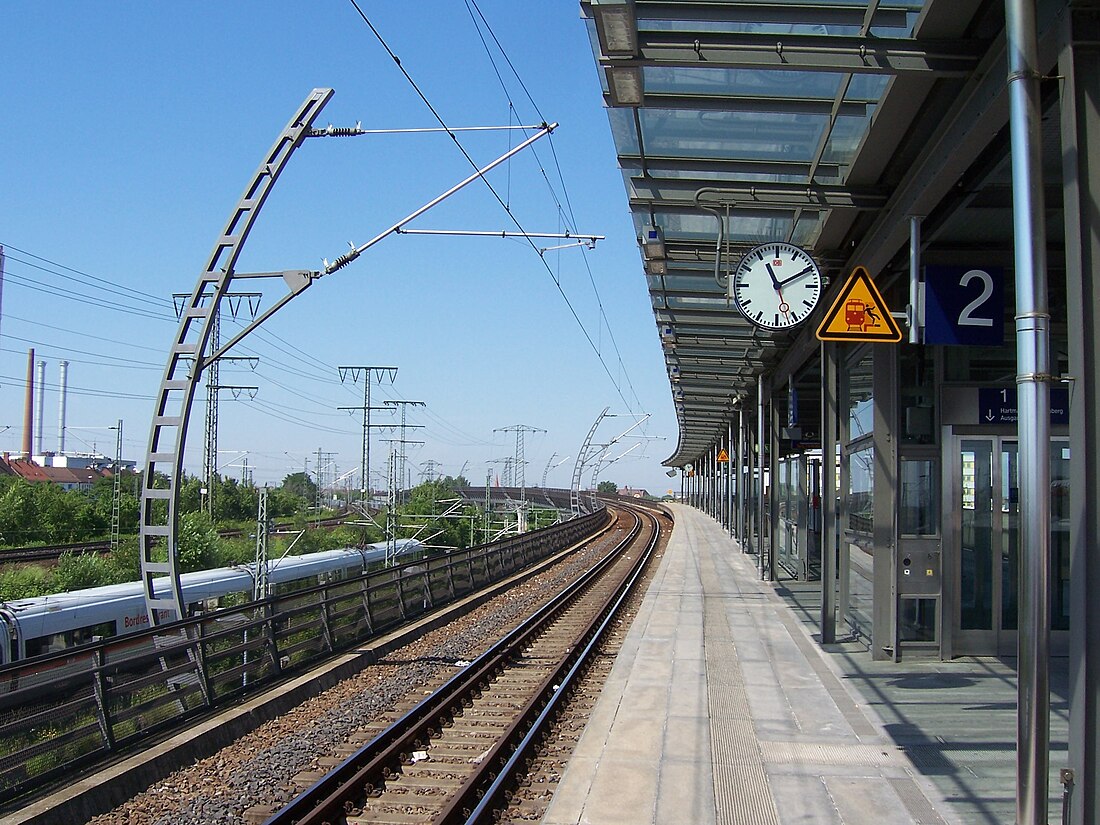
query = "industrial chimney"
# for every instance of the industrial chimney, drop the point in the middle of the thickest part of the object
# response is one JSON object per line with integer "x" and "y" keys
{"x": 62, "y": 385}
{"x": 39, "y": 406}
{"x": 28, "y": 406}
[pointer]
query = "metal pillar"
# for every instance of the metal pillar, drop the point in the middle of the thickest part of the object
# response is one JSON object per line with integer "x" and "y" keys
{"x": 1032, "y": 382}
{"x": 829, "y": 414}
{"x": 742, "y": 474}
{"x": 884, "y": 387}
{"x": 729, "y": 477}
{"x": 1079, "y": 68}
{"x": 751, "y": 452}
{"x": 259, "y": 584}
{"x": 772, "y": 572}
{"x": 761, "y": 420}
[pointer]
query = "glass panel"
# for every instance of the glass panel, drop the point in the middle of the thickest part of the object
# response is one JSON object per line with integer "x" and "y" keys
{"x": 748, "y": 83}
{"x": 861, "y": 485}
{"x": 1010, "y": 536}
{"x": 860, "y": 399}
{"x": 976, "y": 538}
{"x": 919, "y": 498}
{"x": 1059, "y": 536}
{"x": 845, "y": 138}
{"x": 917, "y": 622}
{"x": 861, "y": 577}
{"x": 730, "y": 135}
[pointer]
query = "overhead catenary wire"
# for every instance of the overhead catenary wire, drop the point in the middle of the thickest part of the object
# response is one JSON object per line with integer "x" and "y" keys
{"x": 561, "y": 178}
{"x": 495, "y": 194}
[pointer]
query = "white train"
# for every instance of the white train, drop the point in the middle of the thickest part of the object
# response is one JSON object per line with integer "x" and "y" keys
{"x": 46, "y": 624}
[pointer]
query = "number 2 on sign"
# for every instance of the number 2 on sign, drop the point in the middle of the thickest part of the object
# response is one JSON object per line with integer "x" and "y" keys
{"x": 966, "y": 317}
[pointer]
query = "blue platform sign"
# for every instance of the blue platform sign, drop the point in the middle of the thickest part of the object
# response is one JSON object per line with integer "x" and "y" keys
{"x": 964, "y": 305}
{"x": 1000, "y": 405}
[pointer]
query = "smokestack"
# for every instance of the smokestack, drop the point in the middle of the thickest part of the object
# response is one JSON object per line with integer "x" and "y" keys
{"x": 39, "y": 406}
{"x": 62, "y": 384}
{"x": 28, "y": 406}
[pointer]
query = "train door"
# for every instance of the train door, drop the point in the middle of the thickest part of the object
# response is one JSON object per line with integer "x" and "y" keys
{"x": 986, "y": 511}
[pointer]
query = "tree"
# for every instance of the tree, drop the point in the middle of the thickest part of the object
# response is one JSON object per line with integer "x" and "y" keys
{"x": 198, "y": 542}
{"x": 300, "y": 485}
{"x": 607, "y": 487}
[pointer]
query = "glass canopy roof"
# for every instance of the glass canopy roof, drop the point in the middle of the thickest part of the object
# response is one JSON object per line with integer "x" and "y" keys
{"x": 739, "y": 123}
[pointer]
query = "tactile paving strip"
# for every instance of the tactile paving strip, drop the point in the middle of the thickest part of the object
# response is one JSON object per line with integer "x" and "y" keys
{"x": 799, "y": 753}
{"x": 742, "y": 794}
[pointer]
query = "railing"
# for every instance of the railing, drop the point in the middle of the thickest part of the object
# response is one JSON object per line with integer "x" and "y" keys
{"x": 64, "y": 710}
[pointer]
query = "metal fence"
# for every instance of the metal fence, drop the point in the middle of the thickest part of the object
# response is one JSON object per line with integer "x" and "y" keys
{"x": 64, "y": 710}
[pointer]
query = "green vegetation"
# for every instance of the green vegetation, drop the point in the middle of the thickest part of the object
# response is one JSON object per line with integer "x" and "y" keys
{"x": 47, "y": 514}
{"x": 607, "y": 487}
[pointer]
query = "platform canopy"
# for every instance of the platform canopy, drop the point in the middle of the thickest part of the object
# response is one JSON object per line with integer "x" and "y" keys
{"x": 826, "y": 125}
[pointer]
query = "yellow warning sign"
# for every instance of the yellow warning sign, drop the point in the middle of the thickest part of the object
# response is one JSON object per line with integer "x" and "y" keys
{"x": 859, "y": 313}
{"x": 723, "y": 457}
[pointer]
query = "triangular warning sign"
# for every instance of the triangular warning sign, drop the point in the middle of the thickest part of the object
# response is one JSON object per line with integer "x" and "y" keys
{"x": 723, "y": 457}
{"x": 859, "y": 313}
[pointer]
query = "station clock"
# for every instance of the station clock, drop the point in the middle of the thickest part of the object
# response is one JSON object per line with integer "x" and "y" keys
{"x": 776, "y": 286}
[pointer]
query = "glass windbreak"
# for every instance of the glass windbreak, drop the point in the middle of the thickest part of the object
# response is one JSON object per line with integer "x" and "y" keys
{"x": 1059, "y": 536}
{"x": 990, "y": 536}
{"x": 919, "y": 513}
{"x": 861, "y": 485}
{"x": 861, "y": 406}
{"x": 976, "y": 536}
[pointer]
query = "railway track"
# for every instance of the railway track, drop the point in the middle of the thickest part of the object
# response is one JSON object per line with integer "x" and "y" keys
{"x": 458, "y": 755}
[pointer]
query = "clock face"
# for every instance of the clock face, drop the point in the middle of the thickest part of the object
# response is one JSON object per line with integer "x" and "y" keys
{"x": 776, "y": 285}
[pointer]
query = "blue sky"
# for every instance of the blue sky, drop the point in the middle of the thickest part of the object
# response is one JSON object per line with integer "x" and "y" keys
{"x": 131, "y": 130}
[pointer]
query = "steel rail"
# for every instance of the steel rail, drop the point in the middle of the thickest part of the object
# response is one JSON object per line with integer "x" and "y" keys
{"x": 326, "y": 800}
{"x": 560, "y": 686}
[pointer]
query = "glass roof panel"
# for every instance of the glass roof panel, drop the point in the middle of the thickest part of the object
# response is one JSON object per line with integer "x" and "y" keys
{"x": 731, "y": 135}
{"x": 750, "y": 229}
{"x": 797, "y": 17}
{"x": 845, "y": 139}
{"x": 657, "y": 171}
{"x": 747, "y": 82}
{"x": 622, "y": 131}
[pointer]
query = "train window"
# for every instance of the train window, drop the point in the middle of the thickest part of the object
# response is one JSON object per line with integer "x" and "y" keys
{"x": 70, "y": 638}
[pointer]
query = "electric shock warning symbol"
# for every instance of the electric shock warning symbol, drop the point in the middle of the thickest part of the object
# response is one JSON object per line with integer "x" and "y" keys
{"x": 859, "y": 313}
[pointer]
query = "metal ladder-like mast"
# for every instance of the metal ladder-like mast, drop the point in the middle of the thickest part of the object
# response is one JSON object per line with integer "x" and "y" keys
{"x": 578, "y": 468}
{"x": 191, "y": 352}
{"x": 189, "y": 356}
{"x": 116, "y": 490}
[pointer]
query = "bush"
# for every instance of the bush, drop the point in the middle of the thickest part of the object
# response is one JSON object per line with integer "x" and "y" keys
{"x": 23, "y": 583}
{"x": 77, "y": 571}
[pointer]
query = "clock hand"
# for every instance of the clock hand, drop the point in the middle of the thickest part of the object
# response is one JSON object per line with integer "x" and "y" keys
{"x": 794, "y": 277}
{"x": 775, "y": 281}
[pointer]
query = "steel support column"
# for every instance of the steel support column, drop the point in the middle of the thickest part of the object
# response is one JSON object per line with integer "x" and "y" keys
{"x": 761, "y": 435}
{"x": 1079, "y": 68}
{"x": 729, "y": 478}
{"x": 884, "y": 383}
{"x": 1033, "y": 389}
{"x": 772, "y": 572}
{"x": 829, "y": 415}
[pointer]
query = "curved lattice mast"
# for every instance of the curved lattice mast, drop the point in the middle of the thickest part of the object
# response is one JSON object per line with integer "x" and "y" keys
{"x": 189, "y": 356}
{"x": 578, "y": 468}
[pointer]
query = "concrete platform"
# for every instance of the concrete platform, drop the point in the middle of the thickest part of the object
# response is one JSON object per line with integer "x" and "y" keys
{"x": 722, "y": 708}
